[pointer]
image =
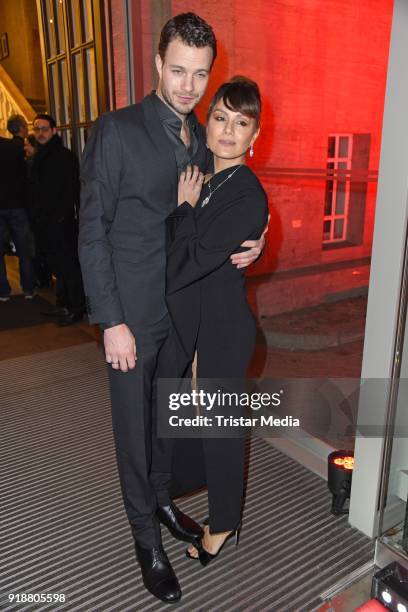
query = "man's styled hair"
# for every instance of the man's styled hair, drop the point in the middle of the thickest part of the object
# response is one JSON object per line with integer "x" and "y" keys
{"x": 15, "y": 123}
{"x": 45, "y": 117}
{"x": 191, "y": 30}
{"x": 239, "y": 94}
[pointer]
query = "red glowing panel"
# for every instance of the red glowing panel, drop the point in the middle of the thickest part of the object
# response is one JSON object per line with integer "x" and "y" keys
{"x": 371, "y": 606}
{"x": 345, "y": 462}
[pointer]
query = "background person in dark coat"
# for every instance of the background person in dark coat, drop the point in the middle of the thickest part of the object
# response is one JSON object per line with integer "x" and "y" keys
{"x": 54, "y": 202}
{"x": 18, "y": 128}
{"x": 41, "y": 269}
{"x": 13, "y": 217}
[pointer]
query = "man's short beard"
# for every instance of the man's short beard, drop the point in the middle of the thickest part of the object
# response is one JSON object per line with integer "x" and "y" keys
{"x": 169, "y": 103}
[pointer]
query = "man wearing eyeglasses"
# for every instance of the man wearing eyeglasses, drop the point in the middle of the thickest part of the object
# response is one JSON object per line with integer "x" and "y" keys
{"x": 54, "y": 195}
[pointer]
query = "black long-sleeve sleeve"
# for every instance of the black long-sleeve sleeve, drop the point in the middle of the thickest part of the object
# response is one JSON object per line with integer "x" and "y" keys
{"x": 198, "y": 247}
{"x": 100, "y": 174}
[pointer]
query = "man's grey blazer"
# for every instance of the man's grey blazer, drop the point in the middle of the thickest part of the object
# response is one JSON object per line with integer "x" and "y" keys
{"x": 129, "y": 187}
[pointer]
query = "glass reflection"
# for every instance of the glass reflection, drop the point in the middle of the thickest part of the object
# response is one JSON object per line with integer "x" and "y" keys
{"x": 55, "y": 93}
{"x": 49, "y": 28}
{"x": 75, "y": 21}
{"x": 396, "y": 500}
{"x": 63, "y": 77}
{"x": 79, "y": 86}
{"x": 91, "y": 82}
{"x": 87, "y": 21}
{"x": 59, "y": 26}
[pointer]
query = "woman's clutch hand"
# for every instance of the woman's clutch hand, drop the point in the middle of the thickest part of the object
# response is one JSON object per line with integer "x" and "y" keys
{"x": 190, "y": 185}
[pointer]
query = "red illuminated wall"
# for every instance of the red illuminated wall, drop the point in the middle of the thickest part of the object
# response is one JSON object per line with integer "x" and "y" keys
{"x": 321, "y": 66}
{"x": 117, "y": 19}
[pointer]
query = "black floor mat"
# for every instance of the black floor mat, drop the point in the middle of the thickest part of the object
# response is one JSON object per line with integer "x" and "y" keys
{"x": 19, "y": 312}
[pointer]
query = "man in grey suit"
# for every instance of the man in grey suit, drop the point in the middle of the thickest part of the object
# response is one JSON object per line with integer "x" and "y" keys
{"x": 130, "y": 172}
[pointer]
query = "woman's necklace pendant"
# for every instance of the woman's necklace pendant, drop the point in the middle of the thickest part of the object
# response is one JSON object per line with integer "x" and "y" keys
{"x": 207, "y": 199}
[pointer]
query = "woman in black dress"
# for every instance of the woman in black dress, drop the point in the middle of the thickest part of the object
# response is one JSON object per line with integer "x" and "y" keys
{"x": 206, "y": 293}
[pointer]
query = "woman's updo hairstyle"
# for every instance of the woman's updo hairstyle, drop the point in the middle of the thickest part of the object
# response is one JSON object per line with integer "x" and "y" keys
{"x": 241, "y": 95}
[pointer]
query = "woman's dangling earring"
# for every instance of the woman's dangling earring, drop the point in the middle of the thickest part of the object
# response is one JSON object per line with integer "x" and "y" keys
{"x": 251, "y": 151}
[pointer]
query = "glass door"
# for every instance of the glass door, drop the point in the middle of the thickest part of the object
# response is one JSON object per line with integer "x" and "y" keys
{"x": 72, "y": 49}
{"x": 393, "y": 503}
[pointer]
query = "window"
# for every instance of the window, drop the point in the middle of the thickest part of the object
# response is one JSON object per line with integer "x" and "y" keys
{"x": 337, "y": 194}
{"x": 74, "y": 66}
{"x": 346, "y": 189}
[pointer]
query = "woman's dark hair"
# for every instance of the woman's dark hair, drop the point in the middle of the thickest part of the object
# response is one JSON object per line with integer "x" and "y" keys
{"x": 191, "y": 30}
{"x": 46, "y": 117}
{"x": 240, "y": 95}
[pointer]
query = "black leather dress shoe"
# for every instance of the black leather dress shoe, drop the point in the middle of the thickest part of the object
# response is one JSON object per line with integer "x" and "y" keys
{"x": 179, "y": 524}
{"x": 158, "y": 575}
{"x": 55, "y": 311}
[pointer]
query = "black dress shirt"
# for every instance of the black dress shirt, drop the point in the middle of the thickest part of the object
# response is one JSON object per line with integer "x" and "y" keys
{"x": 172, "y": 126}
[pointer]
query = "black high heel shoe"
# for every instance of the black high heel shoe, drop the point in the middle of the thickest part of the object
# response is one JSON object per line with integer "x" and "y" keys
{"x": 203, "y": 555}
